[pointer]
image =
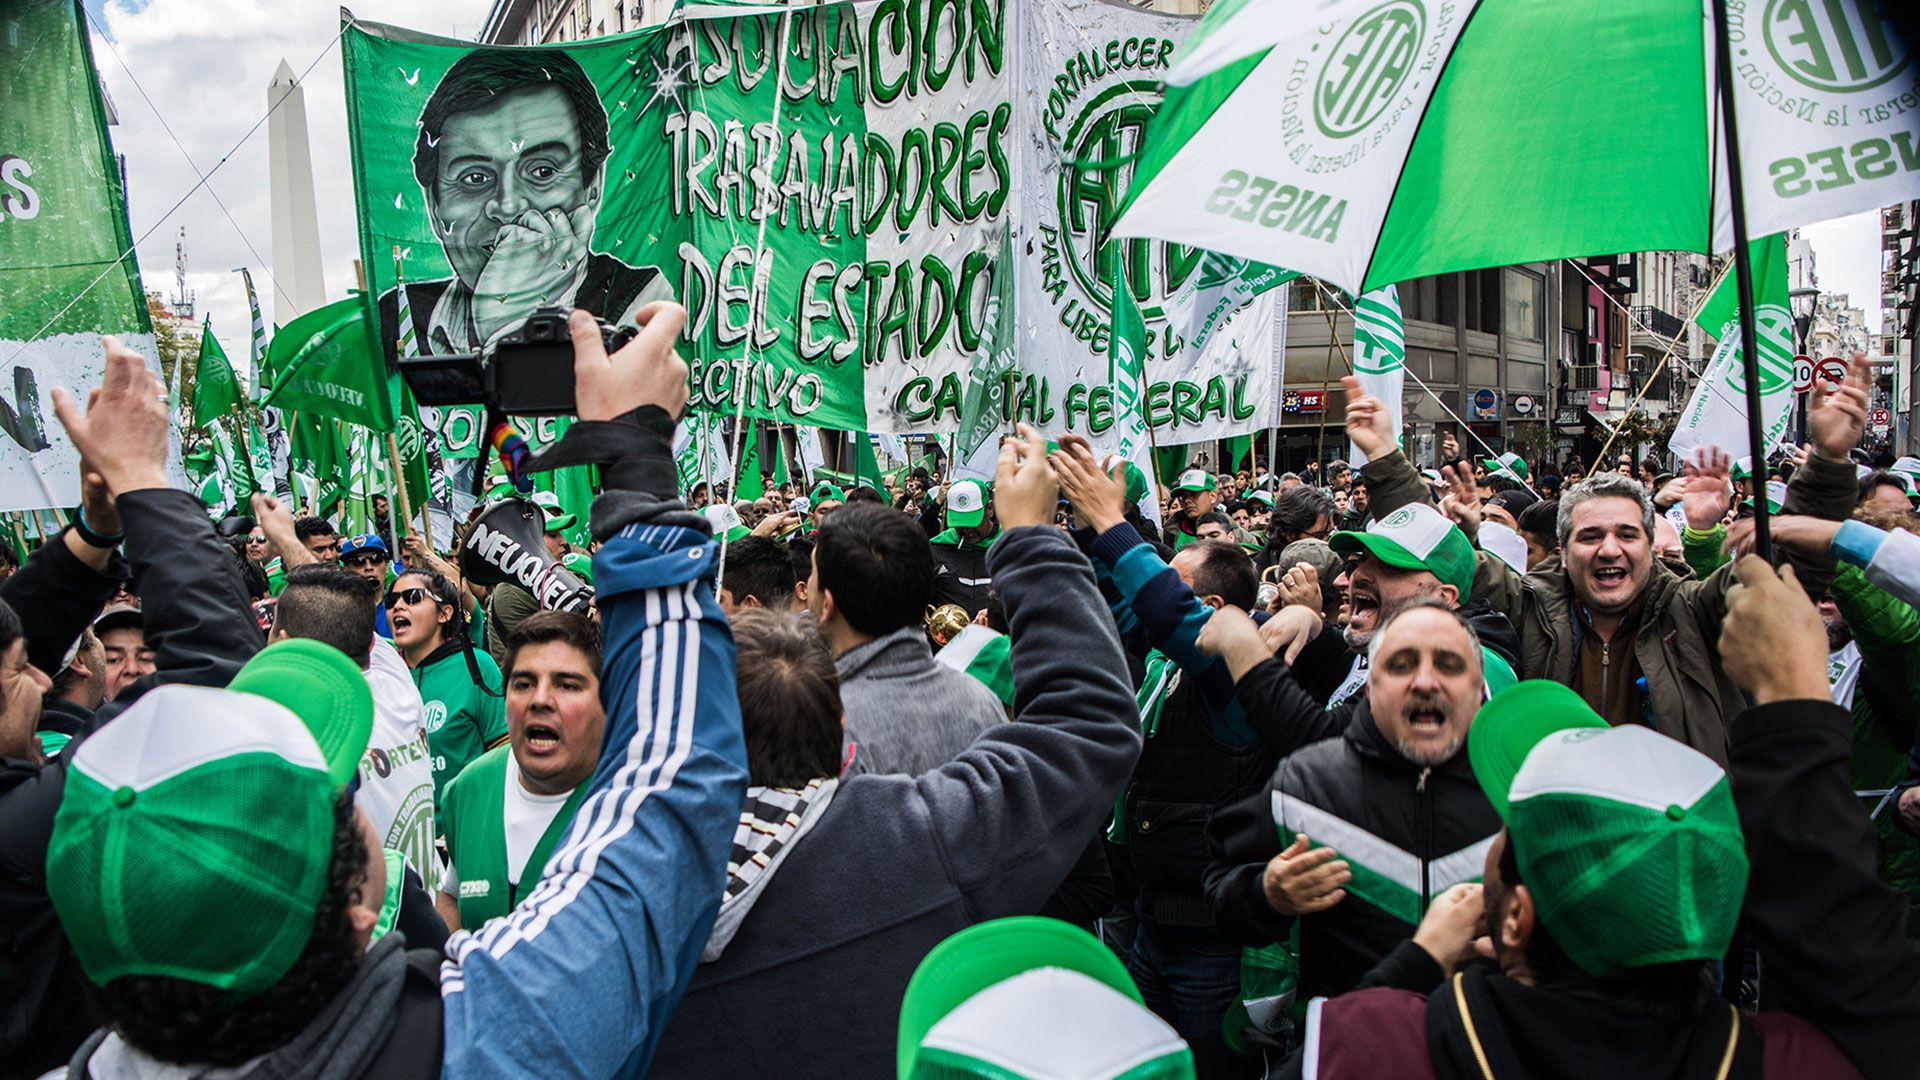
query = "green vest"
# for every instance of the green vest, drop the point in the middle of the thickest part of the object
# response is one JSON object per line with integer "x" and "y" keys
{"x": 463, "y": 719}
{"x": 475, "y": 824}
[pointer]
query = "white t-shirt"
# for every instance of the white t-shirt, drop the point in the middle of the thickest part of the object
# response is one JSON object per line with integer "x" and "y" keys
{"x": 527, "y": 818}
{"x": 396, "y": 773}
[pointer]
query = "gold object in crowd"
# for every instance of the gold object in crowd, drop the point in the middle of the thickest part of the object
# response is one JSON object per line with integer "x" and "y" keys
{"x": 945, "y": 621}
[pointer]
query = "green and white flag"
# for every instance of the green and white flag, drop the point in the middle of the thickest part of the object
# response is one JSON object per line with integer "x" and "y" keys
{"x": 1223, "y": 285}
{"x": 257, "y": 342}
{"x": 700, "y": 452}
{"x": 824, "y": 187}
{"x": 1367, "y": 142}
{"x": 67, "y": 272}
{"x": 216, "y": 393}
{"x": 1716, "y": 414}
{"x": 1126, "y": 373}
{"x": 328, "y": 361}
{"x": 1380, "y": 356}
{"x": 985, "y": 655}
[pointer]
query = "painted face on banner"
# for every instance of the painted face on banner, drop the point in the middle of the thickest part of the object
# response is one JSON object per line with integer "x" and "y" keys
{"x": 512, "y": 173}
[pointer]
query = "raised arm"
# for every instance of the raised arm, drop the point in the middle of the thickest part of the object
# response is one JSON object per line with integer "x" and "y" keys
{"x": 581, "y": 977}
{"x": 1024, "y": 798}
{"x": 1832, "y": 936}
{"x": 198, "y": 621}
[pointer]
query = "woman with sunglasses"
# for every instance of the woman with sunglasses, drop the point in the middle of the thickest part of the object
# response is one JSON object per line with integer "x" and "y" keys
{"x": 466, "y": 711}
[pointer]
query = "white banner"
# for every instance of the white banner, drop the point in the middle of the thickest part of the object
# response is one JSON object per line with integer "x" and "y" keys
{"x": 1098, "y": 68}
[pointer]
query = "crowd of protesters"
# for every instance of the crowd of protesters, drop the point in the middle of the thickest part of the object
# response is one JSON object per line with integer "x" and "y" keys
{"x": 1471, "y": 767}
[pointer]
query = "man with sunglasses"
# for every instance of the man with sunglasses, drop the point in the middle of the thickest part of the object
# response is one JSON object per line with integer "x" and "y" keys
{"x": 366, "y": 555}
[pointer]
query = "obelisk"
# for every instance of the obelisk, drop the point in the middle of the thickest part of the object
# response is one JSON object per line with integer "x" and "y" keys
{"x": 298, "y": 285}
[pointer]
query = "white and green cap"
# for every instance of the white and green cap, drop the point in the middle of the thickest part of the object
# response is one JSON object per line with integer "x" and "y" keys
{"x": 966, "y": 503}
{"x": 1262, "y": 498}
{"x": 1030, "y": 998}
{"x": 1510, "y": 465}
{"x": 1415, "y": 537}
{"x": 726, "y": 522}
{"x": 1628, "y": 840}
{"x": 558, "y": 520}
{"x": 1195, "y": 480}
{"x": 984, "y": 654}
{"x": 1907, "y": 464}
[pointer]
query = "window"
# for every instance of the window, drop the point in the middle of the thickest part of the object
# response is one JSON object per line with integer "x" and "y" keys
{"x": 1431, "y": 299}
{"x": 1524, "y": 303}
{"x": 1482, "y": 308}
{"x": 1305, "y": 294}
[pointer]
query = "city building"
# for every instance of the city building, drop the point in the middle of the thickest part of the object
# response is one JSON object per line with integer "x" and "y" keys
{"x": 1899, "y": 288}
{"x": 547, "y": 22}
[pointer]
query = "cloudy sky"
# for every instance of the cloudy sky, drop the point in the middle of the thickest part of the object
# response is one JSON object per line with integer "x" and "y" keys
{"x": 205, "y": 65}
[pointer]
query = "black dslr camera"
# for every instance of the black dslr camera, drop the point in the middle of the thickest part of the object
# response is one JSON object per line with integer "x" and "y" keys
{"x": 528, "y": 372}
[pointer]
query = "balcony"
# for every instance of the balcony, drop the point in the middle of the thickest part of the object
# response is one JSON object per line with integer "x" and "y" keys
{"x": 1659, "y": 321}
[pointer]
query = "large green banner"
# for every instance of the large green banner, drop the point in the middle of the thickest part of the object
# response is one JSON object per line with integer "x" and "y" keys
{"x": 63, "y": 232}
{"x": 830, "y": 191}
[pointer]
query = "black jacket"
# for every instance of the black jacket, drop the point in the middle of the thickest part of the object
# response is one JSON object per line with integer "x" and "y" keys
{"x": 201, "y": 631}
{"x": 1408, "y": 833}
{"x": 961, "y": 575}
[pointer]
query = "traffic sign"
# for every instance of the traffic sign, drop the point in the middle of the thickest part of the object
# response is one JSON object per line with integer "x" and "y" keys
{"x": 1802, "y": 374}
{"x": 1881, "y": 417}
{"x": 1831, "y": 370}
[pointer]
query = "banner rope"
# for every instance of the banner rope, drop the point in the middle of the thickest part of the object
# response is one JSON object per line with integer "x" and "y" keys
{"x": 259, "y": 260}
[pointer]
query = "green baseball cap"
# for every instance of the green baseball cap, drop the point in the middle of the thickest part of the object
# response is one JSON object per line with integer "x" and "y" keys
{"x": 966, "y": 503}
{"x": 1031, "y": 998}
{"x": 580, "y": 563}
{"x": 1195, "y": 480}
{"x": 726, "y": 522}
{"x": 194, "y": 839}
{"x": 1415, "y": 537}
{"x": 824, "y": 491}
{"x": 1628, "y": 840}
{"x": 1508, "y": 464}
{"x": 327, "y": 691}
{"x": 1742, "y": 469}
{"x": 1263, "y": 497}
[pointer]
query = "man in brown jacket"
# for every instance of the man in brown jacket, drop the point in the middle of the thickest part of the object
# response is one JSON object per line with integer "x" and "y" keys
{"x": 1635, "y": 640}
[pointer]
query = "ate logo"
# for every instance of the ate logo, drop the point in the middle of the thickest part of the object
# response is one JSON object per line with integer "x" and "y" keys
{"x": 1835, "y": 46}
{"x": 1367, "y": 67}
{"x": 1400, "y": 517}
{"x": 1099, "y": 147}
{"x": 1774, "y": 325}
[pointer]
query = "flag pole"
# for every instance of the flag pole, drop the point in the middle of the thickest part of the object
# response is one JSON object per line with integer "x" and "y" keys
{"x": 1743, "y": 275}
{"x": 400, "y": 490}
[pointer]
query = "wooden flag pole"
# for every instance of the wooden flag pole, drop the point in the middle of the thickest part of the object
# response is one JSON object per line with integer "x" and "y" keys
{"x": 400, "y": 490}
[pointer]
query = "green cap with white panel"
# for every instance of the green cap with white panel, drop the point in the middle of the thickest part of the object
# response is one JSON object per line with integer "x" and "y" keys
{"x": 1628, "y": 840}
{"x": 1029, "y": 998}
{"x": 1415, "y": 537}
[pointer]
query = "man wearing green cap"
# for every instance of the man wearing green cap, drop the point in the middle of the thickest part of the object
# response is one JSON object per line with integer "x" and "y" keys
{"x": 1610, "y": 618}
{"x": 1195, "y": 492}
{"x": 960, "y": 553}
{"x": 1613, "y": 891}
{"x": 272, "y": 947}
{"x": 195, "y": 618}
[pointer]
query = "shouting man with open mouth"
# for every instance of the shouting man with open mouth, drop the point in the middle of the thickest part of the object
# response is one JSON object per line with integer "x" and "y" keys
{"x": 503, "y": 814}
